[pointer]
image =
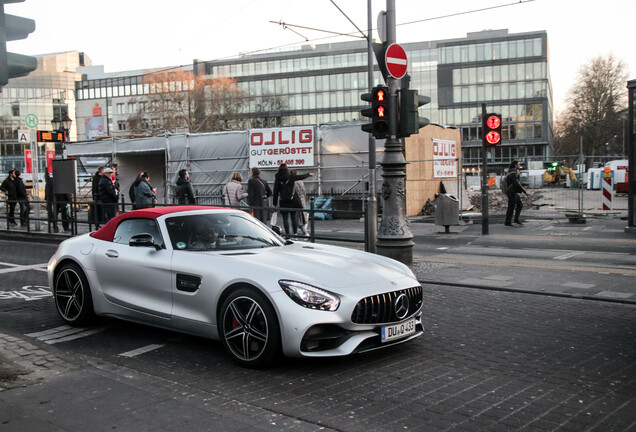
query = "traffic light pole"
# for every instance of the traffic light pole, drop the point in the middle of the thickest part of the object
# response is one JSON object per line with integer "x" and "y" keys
{"x": 372, "y": 202}
{"x": 395, "y": 239}
{"x": 484, "y": 176}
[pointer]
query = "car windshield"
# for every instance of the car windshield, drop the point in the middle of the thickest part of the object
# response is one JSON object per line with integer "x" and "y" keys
{"x": 219, "y": 231}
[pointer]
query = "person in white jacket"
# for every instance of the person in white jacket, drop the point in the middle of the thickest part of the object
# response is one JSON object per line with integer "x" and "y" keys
{"x": 233, "y": 191}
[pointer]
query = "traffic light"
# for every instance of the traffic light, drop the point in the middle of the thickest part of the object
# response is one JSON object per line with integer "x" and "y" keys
{"x": 410, "y": 120}
{"x": 14, "y": 28}
{"x": 492, "y": 129}
{"x": 379, "y": 112}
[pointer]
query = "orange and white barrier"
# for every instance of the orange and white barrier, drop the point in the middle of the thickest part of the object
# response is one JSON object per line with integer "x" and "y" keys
{"x": 606, "y": 190}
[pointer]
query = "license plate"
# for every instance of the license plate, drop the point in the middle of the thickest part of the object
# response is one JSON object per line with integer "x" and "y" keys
{"x": 398, "y": 331}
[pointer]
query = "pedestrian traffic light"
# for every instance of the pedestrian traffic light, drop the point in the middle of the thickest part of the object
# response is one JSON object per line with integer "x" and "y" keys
{"x": 410, "y": 120}
{"x": 492, "y": 129}
{"x": 14, "y": 28}
{"x": 379, "y": 112}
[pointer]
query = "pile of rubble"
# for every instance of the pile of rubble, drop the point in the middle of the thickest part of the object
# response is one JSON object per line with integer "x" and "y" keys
{"x": 497, "y": 201}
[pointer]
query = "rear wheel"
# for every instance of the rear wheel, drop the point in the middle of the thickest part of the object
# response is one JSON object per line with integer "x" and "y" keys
{"x": 249, "y": 328}
{"x": 73, "y": 295}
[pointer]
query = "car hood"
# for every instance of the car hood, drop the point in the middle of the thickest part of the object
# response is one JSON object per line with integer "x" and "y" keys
{"x": 331, "y": 266}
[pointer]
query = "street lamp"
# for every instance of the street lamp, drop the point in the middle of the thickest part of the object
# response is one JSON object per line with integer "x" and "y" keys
{"x": 63, "y": 125}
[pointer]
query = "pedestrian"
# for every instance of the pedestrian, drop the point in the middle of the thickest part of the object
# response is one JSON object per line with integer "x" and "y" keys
{"x": 23, "y": 199}
{"x": 95, "y": 212}
{"x": 8, "y": 187}
{"x": 258, "y": 193}
{"x": 283, "y": 196}
{"x": 131, "y": 190}
{"x": 233, "y": 191}
{"x": 51, "y": 205}
{"x": 299, "y": 199}
{"x": 106, "y": 195}
{"x": 144, "y": 195}
{"x": 185, "y": 193}
{"x": 514, "y": 189}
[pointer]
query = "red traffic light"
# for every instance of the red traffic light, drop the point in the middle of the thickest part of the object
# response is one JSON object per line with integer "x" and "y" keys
{"x": 380, "y": 111}
{"x": 379, "y": 95}
{"x": 492, "y": 129}
{"x": 493, "y": 138}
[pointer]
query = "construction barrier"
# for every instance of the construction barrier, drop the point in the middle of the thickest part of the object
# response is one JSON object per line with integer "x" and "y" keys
{"x": 607, "y": 189}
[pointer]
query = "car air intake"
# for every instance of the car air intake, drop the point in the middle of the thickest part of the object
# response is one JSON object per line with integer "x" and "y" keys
{"x": 381, "y": 308}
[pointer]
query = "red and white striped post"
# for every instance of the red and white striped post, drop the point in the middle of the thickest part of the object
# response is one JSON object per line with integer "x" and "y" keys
{"x": 607, "y": 189}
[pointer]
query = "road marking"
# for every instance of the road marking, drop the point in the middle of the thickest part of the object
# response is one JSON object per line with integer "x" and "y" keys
{"x": 63, "y": 334}
{"x": 525, "y": 264}
{"x": 27, "y": 293}
{"x": 141, "y": 350}
{"x": 19, "y": 267}
{"x": 568, "y": 255}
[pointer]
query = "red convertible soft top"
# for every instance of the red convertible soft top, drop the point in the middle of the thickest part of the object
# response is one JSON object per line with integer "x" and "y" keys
{"x": 107, "y": 232}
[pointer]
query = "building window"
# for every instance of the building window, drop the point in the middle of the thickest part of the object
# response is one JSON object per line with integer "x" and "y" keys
{"x": 15, "y": 110}
{"x": 121, "y": 108}
{"x": 121, "y": 125}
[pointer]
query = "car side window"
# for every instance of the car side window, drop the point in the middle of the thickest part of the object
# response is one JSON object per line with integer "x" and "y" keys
{"x": 131, "y": 227}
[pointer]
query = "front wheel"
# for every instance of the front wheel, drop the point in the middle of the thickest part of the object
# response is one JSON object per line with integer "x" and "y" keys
{"x": 249, "y": 328}
{"x": 73, "y": 295}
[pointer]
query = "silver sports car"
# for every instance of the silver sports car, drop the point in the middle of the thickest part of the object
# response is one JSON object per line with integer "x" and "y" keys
{"x": 222, "y": 274}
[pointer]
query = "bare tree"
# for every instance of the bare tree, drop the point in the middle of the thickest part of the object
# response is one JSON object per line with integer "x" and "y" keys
{"x": 181, "y": 99}
{"x": 593, "y": 108}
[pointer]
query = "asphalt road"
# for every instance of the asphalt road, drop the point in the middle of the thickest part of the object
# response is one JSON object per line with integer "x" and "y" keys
{"x": 489, "y": 360}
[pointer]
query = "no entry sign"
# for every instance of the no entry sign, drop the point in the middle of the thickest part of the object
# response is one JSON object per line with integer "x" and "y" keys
{"x": 395, "y": 60}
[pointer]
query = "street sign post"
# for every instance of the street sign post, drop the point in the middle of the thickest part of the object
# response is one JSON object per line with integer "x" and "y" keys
{"x": 396, "y": 62}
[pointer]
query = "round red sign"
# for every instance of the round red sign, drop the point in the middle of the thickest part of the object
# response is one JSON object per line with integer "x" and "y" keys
{"x": 395, "y": 60}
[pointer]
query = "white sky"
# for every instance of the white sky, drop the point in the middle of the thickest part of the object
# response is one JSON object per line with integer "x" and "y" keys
{"x": 139, "y": 34}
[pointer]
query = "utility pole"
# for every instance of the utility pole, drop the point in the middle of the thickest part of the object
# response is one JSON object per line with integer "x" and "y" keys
{"x": 395, "y": 238}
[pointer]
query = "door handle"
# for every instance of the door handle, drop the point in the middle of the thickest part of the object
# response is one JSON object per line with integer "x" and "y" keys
{"x": 112, "y": 254}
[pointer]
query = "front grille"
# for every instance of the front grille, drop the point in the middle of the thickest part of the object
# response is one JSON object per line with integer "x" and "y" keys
{"x": 379, "y": 309}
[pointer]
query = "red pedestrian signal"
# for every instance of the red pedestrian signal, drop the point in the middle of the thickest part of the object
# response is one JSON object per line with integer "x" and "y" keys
{"x": 379, "y": 112}
{"x": 492, "y": 129}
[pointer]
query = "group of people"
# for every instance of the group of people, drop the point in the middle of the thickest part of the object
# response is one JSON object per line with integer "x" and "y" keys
{"x": 106, "y": 189}
{"x": 16, "y": 192}
{"x": 289, "y": 195}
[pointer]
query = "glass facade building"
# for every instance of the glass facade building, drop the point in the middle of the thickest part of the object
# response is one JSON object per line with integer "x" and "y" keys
{"x": 317, "y": 84}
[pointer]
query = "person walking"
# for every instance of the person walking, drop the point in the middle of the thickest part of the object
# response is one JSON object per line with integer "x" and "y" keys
{"x": 258, "y": 193}
{"x": 514, "y": 189}
{"x": 106, "y": 195}
{"x": 23, "y": 199}
{"x": 185, "y": 192}
{"x": 299, "y": 199}
{"x": 283, "y": 196}
{"x": 144, "y": 196}
{"x": 8, "y": 187}
{"x": 233, "y": 191}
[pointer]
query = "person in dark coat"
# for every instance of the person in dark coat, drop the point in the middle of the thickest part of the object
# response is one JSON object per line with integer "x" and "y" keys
{"x": 131, "y": 190}
{"x": 283, "y": 196}
{"x": 258, "y": 193}
{"x": 144, "y": 195}
{"x": 185, "y": 192}
{"x": 8, "y": 187}
{"x": 514, "y": 189}
{"x": 107, "y": 196}
{"x": 96, "y": 209}
{"x": 23, "y": 199}
{"x": 49, "y": 197}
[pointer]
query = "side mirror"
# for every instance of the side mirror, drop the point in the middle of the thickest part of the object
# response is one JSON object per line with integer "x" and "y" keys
{"x": 277, "y": 230}
{"x": 143, "y": 240}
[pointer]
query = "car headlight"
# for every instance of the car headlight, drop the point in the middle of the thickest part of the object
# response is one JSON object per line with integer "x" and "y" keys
{"x": 309, "y": 296}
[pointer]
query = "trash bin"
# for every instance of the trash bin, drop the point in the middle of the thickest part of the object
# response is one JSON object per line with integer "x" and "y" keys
{"x": 446, "y": 210}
